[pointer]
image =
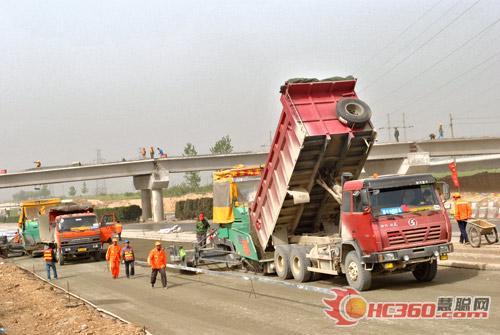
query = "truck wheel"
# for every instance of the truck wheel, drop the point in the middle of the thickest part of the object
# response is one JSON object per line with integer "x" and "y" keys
{"x": 357, "y": 276}
{"x": 353, "y": 111}
{"x": 298, "y": 264}
{"x": 282, "y": 264}
{"x": 425, "y": 271}
{"x": 60, "y": 257}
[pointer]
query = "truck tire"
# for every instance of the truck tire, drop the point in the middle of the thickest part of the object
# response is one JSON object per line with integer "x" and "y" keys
{"x": 60, "y": 257}
{"x": 357, "y": 276}
{"x": 298, "y": 265}
{"x": 282, "y": 263}
{"x": 353, "y": 111}
{"x": 425, "y": 272}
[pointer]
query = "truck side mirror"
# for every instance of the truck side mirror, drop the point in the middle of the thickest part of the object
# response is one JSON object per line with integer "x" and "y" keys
{"x": 445, "y": 189}
{"x": 365, "y": 202}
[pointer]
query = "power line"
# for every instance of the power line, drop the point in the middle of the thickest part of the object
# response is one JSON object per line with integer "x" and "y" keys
{"x": 433, "y": 65}
{"x": 412, "y": 102}
{"x": 379, "y": 51}
{"x": 429, "y": 26}
{"x": 422, "y": 45}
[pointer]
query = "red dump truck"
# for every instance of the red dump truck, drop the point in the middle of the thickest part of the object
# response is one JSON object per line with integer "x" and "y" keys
{"x": 308, "y": 214}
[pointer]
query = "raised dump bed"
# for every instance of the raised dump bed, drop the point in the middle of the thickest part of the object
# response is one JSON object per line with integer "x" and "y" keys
{"x": 324, "y": 131}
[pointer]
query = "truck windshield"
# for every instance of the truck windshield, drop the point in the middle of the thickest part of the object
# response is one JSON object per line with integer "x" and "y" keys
{"x": 246, "y": 189}
{"x": 77, "y": 223}
{"x": 390, "y": 201}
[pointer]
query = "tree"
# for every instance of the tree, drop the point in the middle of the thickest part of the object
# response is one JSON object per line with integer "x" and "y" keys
{"x": 72, "y": 191}
{"x": 84, "y": 189}
{"x": 192, "y": 178}
{"x": 222, "y": 146}
{"x": 40, "y": 193}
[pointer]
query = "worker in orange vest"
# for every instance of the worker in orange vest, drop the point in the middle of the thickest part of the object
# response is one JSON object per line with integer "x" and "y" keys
{"x": 157, "y": 259}
{"x": 463, "y": 212}
{"x": 113, "y": 256}
{"x": 50, "y": 260}
{"x": 128, "y": 257}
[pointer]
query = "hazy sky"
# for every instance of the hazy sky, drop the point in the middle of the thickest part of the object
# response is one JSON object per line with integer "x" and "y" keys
{"x": 76, "y": 76}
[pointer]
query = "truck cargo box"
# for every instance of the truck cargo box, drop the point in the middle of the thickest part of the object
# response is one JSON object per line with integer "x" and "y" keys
{"x": 323, "y": 131}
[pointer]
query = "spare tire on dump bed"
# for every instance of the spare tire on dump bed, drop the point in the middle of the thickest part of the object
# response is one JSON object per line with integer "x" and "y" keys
{"x": 352, "y": 111}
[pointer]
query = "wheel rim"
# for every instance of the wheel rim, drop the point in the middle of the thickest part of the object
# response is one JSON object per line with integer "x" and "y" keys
{"x": 354, "y": 109}
{"x": 353, "y": 271}
{"x": 280, "y": 264}
{"x": 296, "y": 265}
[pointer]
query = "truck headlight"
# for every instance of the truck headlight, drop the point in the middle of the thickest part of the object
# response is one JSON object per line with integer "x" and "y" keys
{"x": 96, "y": 245}
{"x": 67, "y": 249}
{"x": 443, "y": 249}
{"x": 389, "y": 256}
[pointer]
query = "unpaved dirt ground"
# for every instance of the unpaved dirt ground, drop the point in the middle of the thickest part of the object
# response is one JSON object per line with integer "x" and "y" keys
{"x": 30, "y": 306}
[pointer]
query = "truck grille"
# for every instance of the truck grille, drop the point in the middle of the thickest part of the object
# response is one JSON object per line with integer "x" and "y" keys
{"x": 413, "y": 235}
{"x": 83, "y": 240}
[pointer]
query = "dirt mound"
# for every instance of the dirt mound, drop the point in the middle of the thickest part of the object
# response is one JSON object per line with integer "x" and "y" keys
{"x": 30, "y": 306}
{"x": 168, "y": 203}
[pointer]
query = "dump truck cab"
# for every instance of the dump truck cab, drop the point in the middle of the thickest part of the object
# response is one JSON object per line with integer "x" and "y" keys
{"x": 392, "y": 224}
{"x": 77, "y": 234}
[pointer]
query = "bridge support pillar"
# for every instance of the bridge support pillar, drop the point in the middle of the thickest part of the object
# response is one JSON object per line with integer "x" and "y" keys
{"x": 146, "y": 205}
{"x": 158, "y": 213}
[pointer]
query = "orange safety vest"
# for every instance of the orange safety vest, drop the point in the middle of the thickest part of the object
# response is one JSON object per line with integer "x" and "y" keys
{"x": 128, "y": 254}
{"x": 47, "y": 255}
{"x": 157, "y": 258}
{"x": 114, "y": 253}
{"x": 463, "y": 210}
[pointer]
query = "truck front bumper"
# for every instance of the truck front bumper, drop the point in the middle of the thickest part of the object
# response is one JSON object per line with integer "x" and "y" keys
{"x": 81, "y": 249}
{"x": 412, "y": 255}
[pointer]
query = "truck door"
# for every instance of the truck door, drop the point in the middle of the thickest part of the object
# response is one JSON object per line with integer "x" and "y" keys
{"x": 357, "y": 223}
{"x": 107, "y": 227}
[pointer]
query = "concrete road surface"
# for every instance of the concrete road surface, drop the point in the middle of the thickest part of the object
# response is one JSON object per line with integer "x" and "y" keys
{"x": 204, "y": 304}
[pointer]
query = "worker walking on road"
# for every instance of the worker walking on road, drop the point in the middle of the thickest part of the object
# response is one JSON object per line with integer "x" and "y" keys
{"x": 157, "y": 259}
{"x": 50, "y": 260}
{"x": 463, "y": 212}
{"x": 201, "y": 230}
{"x": 128, "y": 257}
{"x": 113, "y": 256}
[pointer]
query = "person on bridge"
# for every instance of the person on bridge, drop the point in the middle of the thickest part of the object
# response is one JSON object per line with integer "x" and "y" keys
{"x": 143, "y": 153}
{"x": 463, "y": 212}
{"x": 396, "y": 134}
{"x": 441, "y": 131}
{"x": 152, "y": 152}
{"x": 128, "y": 257}
{"x": 38, "y": 163}
{"x": 161, "y": 154}
{"x": 50, "y": 260}
{"x": 201, "y": 230}
{"x": 157, "y": 259}
{"x": 113, "y": 256}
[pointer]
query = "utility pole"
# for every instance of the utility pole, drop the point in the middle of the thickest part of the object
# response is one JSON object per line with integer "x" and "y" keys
{"x": 405, "y": 127}
{"x": 451, "y": 126}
